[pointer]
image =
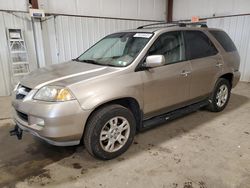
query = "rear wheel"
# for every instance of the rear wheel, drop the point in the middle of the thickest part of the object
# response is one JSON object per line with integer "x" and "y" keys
{"x": 109, "y": 132}
{"x": 220, "y": 95}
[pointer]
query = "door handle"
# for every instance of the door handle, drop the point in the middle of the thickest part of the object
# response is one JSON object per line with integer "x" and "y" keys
{"x": 219, "y": 65}
{"x": 185, "y": 73}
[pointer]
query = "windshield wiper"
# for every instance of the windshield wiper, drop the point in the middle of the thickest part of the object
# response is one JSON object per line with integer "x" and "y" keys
{"x": 75, "y": 59}
{"x": 88, "y": 61}
{"x": 93, "y": 62}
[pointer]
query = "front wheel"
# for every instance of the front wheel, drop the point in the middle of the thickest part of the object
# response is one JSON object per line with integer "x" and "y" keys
{"x": 220, "y": 95}
{"x": 109, "y": 132}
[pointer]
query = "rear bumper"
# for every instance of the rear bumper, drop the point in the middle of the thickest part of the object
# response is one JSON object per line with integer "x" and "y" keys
{"x": 236, "y": 78}
{"x": 63, "y": 123}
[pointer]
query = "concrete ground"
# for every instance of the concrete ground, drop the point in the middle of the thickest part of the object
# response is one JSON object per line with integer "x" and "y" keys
{"x": 201, "y": 150}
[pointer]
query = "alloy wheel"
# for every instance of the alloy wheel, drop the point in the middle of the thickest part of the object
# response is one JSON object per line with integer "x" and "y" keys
{"x": 222, "y": 95}
{"x": 114, "y": 134}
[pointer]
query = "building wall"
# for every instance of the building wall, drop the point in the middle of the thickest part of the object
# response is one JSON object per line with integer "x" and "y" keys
{"x": 134, "y": 9}
{"x": 21, "y": 5}
{"x": 16, "y": 21}
{"x": 207, "y": 8}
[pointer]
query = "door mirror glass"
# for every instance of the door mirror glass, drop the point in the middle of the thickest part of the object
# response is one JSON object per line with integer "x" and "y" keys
{"x": 155, "y": 61}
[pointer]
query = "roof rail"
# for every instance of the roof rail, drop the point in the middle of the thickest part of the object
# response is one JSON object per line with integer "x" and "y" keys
{"x": 177, "y": 23}
{"x": 169, "y": 24}
{"x": 185, "y": 24}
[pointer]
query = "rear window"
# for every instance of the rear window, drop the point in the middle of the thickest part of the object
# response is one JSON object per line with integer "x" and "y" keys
{"x": 225, "y": 41}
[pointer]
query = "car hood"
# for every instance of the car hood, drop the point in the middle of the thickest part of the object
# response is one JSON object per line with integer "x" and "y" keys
{"x": 63, "y": 71}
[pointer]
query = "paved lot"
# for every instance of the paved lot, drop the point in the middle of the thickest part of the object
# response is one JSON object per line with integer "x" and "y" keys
{"x": 201, "y": 150}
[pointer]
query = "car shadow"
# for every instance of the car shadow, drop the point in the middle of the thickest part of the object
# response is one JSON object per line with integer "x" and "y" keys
{"x": 28, "y": 158}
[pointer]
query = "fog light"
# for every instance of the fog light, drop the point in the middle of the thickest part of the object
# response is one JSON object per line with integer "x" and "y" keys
{"x": 35, "y": 120}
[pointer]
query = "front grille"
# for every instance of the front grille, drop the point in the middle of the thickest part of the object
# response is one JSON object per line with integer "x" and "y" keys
{"x": 22, "y": 116}
{"x": 22, "y": 92}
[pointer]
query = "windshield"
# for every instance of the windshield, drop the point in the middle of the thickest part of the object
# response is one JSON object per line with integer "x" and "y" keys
{"x": 118, "y": 50}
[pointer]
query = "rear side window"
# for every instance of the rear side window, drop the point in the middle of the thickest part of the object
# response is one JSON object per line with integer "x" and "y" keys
{"x": 199, "y": 45}
{"x": 225, "y": 41}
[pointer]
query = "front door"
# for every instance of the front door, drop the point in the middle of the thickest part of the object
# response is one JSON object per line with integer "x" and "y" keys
{"x": 167, "y": 87}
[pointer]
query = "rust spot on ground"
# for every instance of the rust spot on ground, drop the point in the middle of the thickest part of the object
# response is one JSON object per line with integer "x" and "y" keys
{"x": 135, "y": 142}
{"x": 77, "y": 166}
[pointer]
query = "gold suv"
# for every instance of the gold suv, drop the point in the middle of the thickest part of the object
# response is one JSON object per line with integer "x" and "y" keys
{"x": 126, "y": 82}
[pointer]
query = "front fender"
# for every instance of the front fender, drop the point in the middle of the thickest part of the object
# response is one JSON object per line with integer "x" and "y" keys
{"x": 94, "y": 93}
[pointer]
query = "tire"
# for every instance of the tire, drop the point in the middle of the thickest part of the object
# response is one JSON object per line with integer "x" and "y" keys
{"x": 109, "y": 121}
{"x": 215, "y": 105}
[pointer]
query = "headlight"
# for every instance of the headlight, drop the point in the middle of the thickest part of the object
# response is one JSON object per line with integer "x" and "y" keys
{"x": 53, "y": 94}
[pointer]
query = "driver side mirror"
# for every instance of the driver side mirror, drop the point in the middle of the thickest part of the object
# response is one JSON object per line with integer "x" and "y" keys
{"x": 154, "y": 61}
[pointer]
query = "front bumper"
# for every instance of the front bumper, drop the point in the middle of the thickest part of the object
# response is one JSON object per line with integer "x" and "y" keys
{"x": 63, "y": 121}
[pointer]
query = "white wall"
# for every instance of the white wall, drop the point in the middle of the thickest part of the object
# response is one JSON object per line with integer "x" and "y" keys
{"x": 14, "y": 21}
{"x": 133, "y": 9}
{"x": 14, "y": 5}
{"x": 185, "y": 9}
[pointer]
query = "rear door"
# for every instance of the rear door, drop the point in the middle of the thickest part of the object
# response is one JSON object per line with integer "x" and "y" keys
{"x": 167, "y": 87}
{"x": 206, "y": 63}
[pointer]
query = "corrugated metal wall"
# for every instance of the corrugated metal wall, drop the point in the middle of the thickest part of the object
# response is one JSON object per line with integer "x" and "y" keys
{"x": 14, "y": 20}
{"x": 208, "y": 8}
{"x": 14, "y": 5}
{"x": 66, "y": 37}
{"x": 238, "y": 28}
{"x": 134, "y": 9}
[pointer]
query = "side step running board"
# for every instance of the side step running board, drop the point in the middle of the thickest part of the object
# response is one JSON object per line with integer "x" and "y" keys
{"x": 173, "y": 115}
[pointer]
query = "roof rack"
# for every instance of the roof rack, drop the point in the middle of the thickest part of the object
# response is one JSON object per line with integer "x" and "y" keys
{"x": 185, "y": 24}
{"x": 172, "y": 24}
{"x": 168, "y": 24}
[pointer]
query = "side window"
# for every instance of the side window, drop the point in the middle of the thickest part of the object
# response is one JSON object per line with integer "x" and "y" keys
{"x": 199, "y": 45}
{"x": 170, "y": 45}
{"x": 225, "y": 41}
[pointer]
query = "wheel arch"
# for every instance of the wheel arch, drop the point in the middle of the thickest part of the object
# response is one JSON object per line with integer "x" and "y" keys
{"x": 229, "y": 77}
{"x": 128, "y": 102}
